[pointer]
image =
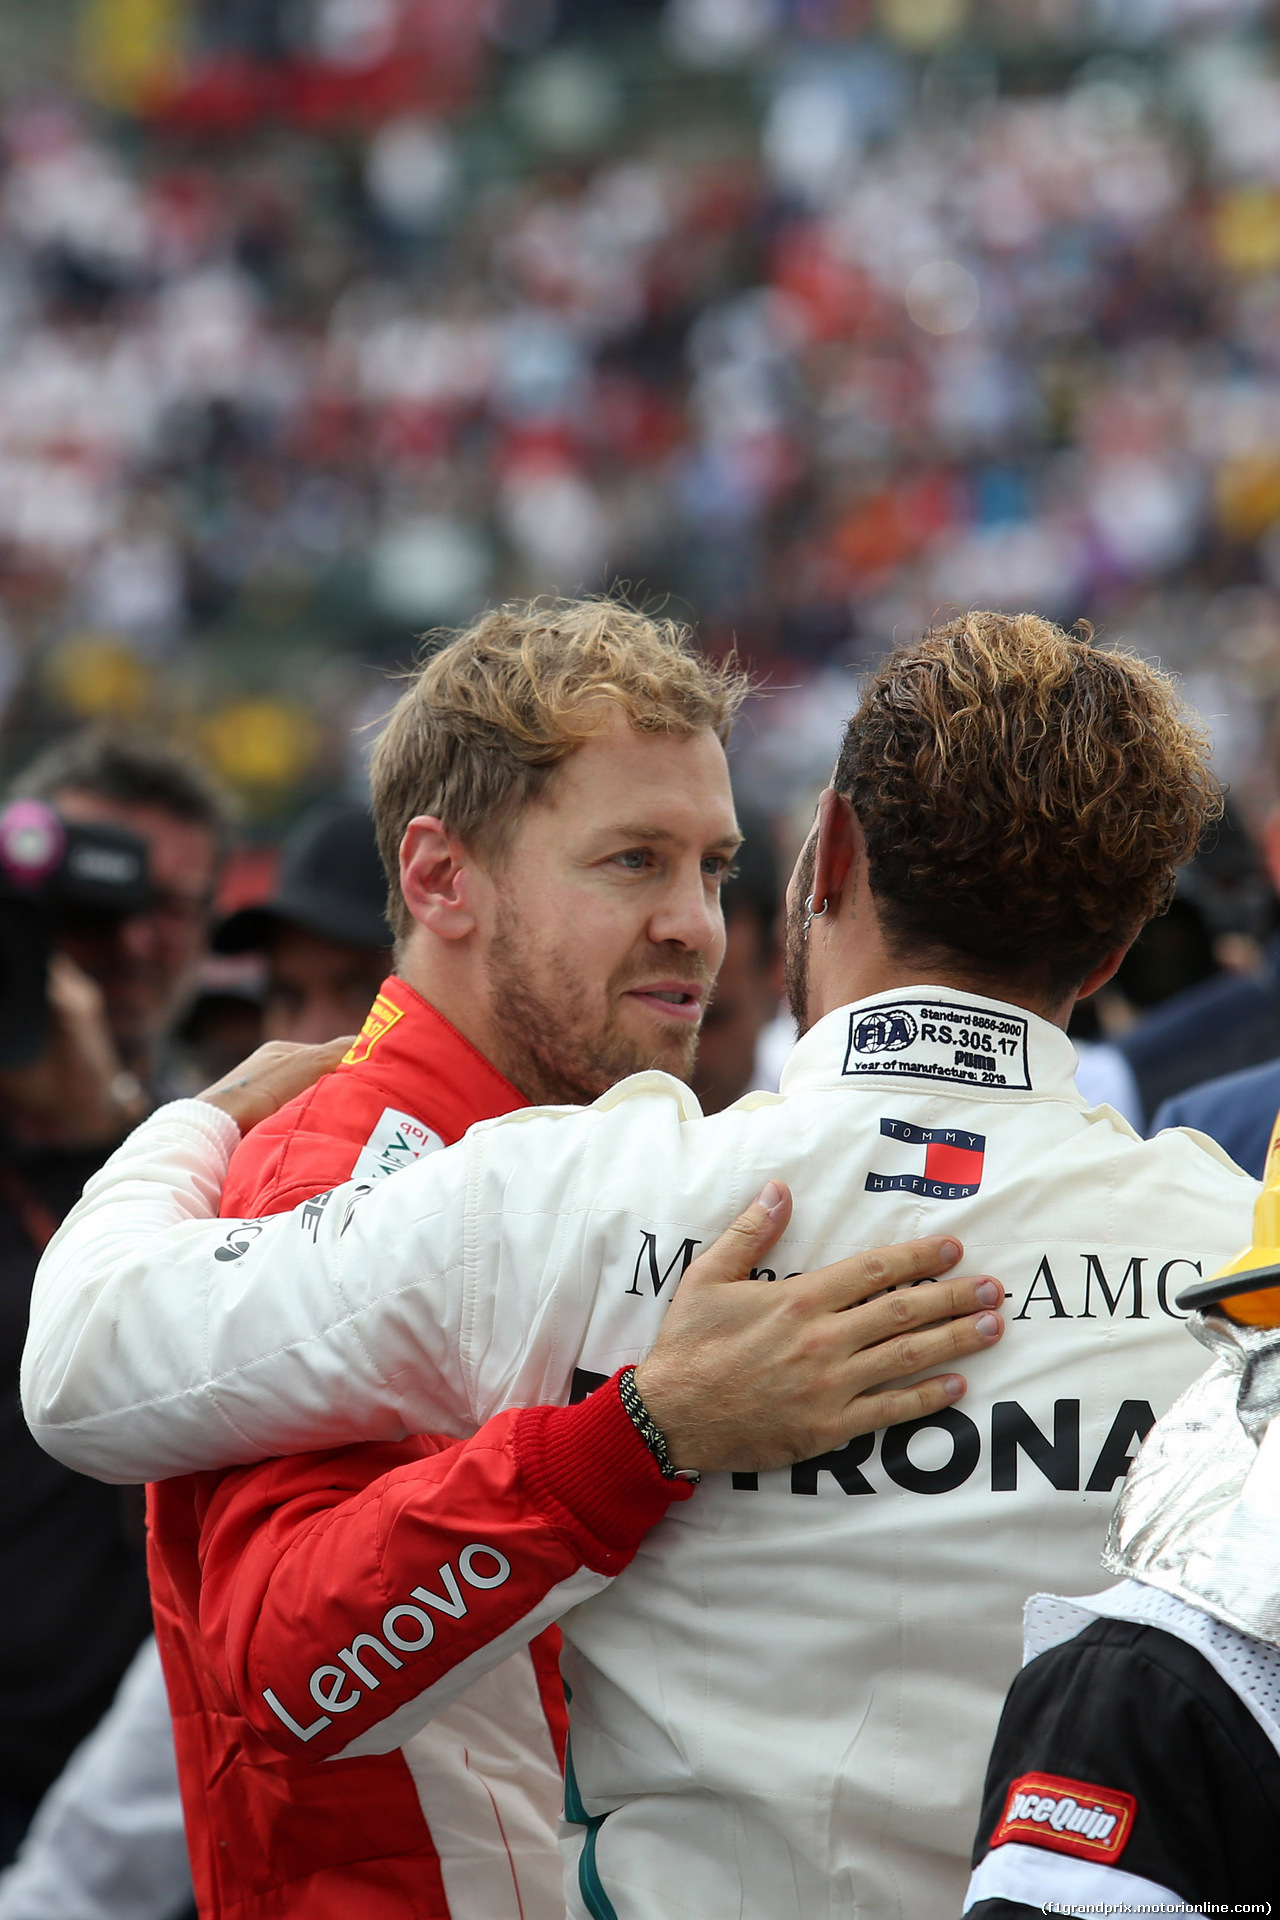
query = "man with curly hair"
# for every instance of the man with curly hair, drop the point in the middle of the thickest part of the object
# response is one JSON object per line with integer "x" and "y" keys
{"x": 782, "y": 1707}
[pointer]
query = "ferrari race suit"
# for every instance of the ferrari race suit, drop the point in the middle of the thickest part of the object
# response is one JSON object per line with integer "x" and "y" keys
{"x": 782, "y": 1709}
{"x": 1137, "y": 1764}
{"x": 460, "y": 1822}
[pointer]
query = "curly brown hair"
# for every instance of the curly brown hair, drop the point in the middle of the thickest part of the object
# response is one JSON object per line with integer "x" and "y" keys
{"x": 1026, "y": 796}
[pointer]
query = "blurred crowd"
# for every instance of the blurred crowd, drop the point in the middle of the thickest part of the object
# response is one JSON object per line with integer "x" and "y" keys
{"x": 324, "y": 323}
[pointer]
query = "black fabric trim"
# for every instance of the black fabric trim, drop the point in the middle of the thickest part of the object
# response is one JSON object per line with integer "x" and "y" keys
{"x": 1131, "y": 1707}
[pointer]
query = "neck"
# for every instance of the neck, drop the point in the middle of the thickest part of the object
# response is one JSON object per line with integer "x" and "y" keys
{"x": 859, "y": 969}
{"x": 848, "y": 955}
{"x": 447, "y": 976}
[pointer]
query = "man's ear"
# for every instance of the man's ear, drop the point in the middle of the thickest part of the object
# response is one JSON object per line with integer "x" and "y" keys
{"x": 436, "y": 879}
{"x": 1104, "y": 970}
{"x": 839, "y": 846}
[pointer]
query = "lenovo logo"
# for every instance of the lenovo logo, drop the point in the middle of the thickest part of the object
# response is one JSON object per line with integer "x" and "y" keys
{"x": 408, "y": 1627}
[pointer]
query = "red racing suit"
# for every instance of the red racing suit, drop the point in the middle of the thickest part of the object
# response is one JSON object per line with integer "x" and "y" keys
{"x": 455, "y": 1553}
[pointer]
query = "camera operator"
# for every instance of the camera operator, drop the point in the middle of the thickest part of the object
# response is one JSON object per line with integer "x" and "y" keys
{"x": 108, "y": 1843}
{"x": 323, "y": 933}
{"x": 72, "y": 1564}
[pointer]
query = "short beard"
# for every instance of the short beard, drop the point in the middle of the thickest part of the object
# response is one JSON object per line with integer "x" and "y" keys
{"x": 796, "y": 943}
{"x": 549, "y": 1049}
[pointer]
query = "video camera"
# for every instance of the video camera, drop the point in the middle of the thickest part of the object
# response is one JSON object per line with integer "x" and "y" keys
{"x": 56, "y": 877}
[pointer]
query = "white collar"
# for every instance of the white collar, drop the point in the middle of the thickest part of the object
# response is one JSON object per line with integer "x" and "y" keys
{"x": 935, "y": 1037}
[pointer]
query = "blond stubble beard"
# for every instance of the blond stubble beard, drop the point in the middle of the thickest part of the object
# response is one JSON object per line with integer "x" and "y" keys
{"x": 550, "y": 1050}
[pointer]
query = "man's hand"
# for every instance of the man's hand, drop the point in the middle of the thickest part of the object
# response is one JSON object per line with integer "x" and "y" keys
{"x": 77, "y": 1092}
{"x": 272, "y": 1076}
{"x": 753, "y": 1374}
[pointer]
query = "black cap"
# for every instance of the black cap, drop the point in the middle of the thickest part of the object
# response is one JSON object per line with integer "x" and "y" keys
{"x": 1227, "y": 1286}
{"x": 330, "y": 883}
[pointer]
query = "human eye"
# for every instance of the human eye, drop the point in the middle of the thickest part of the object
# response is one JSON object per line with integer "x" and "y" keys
{"x": 718, "y": 867}
{"x": 634, "y": 859}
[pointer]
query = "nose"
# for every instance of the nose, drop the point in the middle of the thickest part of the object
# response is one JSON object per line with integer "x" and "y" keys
{"x": 689, "y": 914}
{"x": 138, "y": 937}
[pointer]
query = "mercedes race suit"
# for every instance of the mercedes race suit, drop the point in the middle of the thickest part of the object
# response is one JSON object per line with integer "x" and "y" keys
{"x": 783, "y": 1707}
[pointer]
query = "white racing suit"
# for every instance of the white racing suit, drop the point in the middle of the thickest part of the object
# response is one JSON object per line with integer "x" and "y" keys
{"x": 782, "y": 1709}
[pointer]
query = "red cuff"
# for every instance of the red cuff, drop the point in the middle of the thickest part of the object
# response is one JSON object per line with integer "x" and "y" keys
{"x": 594, "y": 1477}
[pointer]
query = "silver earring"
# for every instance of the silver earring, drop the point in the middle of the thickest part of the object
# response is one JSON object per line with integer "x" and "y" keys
{"x": 809, "y": 915}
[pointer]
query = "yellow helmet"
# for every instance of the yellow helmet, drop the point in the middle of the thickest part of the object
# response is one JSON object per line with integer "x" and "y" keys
{"x": 1247, "y": 1289}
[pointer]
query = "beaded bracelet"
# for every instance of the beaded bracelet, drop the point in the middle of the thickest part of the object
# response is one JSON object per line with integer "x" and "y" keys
{"x": 649, "y": 1430}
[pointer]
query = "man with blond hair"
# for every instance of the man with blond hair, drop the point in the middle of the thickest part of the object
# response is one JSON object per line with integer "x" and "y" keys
{"x": 556, "y": 930}
{"x": 781, "y": 1707}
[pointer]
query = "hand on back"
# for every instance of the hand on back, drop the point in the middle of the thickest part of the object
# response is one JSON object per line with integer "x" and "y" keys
{"x": 754, "y": 1374}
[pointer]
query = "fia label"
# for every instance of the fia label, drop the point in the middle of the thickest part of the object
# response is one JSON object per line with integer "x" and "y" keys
{"x": 932, "y": 1040}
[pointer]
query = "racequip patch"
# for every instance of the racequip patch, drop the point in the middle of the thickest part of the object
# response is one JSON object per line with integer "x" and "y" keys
{"x": 379, "y": 1020}
{"x": 953, "y": 1161}
{"x": 1069, "y": 1816}
{"x": 932, "y": 1040}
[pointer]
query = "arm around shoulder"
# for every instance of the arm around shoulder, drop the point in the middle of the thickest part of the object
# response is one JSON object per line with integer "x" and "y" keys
{"x": 169, "y": 1172}
{"x": 166, "y": 1342}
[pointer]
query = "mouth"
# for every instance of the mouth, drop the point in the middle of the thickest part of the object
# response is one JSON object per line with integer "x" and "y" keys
{"x": 676, "y": 1000}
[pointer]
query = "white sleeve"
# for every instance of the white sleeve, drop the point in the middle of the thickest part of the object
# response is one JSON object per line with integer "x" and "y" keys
{"x": 163, "y": 1341}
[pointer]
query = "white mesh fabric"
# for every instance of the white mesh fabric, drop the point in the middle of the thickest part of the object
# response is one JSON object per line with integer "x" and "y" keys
{"x": 1048, "y": 1619}
{"x": 1250, "y": 1667}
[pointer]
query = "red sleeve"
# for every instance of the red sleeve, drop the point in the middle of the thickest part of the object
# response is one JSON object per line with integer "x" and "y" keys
{"x": 341, "y": 1588}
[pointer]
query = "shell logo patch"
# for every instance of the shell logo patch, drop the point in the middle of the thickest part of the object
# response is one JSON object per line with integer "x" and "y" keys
{"x": 1069, "y": 1816}
{"x": 379, "y": 1020}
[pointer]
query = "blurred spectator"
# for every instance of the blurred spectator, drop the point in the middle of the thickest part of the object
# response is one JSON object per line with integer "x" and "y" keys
{"x": 1103, "y": 1075}
{"x": 1238, "y": 1111}
{"x": 108, "y": 1841}
{"x": 324, "y": 932}
{"x": 145, "y": 966}
{"x": 1105, "y": 1079}
{"x": 222, "y": 1027}
{"x": 1170, "y": 957}
{"x": 72, "y": 1567}
{"x": 1229, "y": 1020}
{"x": 748, "y": 986}
{"x": 306, "y": 963}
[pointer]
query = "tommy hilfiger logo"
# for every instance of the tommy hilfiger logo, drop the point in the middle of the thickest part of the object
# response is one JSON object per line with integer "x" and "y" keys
{"x": 1070, "y": 1816}
{"x": 952, "y": 1162}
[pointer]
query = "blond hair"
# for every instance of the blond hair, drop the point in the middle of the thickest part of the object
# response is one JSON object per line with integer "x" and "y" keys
{"x": 1026, "y": 796}
{"x": 485, "y": 722}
